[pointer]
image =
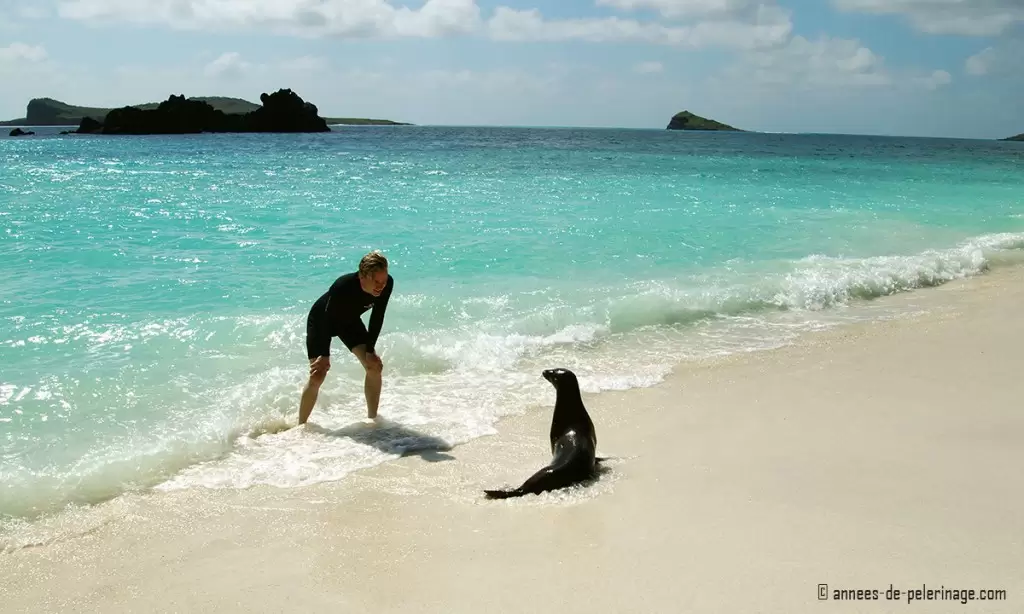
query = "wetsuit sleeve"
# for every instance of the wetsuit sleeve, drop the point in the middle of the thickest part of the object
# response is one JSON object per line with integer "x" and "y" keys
{"x": 377, "y": 316}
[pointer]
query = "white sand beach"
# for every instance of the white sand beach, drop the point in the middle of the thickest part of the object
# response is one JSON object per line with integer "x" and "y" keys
{"x": 874, "y": 455}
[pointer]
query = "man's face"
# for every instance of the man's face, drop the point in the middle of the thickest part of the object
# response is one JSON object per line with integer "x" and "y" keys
{"x": 374, "y": 282}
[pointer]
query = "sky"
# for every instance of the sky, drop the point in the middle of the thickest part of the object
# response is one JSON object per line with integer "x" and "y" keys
{"x": 937, "y": 68}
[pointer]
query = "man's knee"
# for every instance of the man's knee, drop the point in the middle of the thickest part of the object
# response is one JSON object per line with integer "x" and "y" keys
{"x": 372, "y": 368}
{"x": 317, "y": 379}
{"x": 316, "y": 376}
{"x": 359, "y": 351}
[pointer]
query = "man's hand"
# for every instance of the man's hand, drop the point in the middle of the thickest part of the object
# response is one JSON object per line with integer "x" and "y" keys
{"x": 320, "y": 366}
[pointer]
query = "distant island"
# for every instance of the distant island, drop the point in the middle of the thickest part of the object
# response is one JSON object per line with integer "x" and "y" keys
{"x": 684, "y": 120}
{"x": 1019, "y": 137}
{"x": 50, "y": 112}
{"x": 282, "y": 111}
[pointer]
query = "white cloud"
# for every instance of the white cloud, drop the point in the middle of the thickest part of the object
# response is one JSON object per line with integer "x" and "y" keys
{"x": 981, "y": 63}
{"x": 745, "y": 24}
{"x": 1003, "y": 58}
{"x": 529, "y": 25}
{"x": 646, "y": 68}
{"x": 768, "y": 27}
{"x": 674, "y": 9}
{"x": 229, "y": 64}
{"x": 26, "y": 72}
{"x": 348, "y": 18}
{"x": 824, "y": 62}
{"x": 20, "y": 52}
{"x": 934, "y": 81}
{"x": 965, "y": 17}
{"x": 825, "y": 65}
{"x": 771, "y": 28}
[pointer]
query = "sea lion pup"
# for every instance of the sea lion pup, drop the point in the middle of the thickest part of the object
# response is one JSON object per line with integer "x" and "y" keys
{"x": 573, "y": 441}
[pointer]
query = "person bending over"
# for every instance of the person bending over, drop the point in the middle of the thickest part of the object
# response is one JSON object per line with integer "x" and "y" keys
{"x": 337, "y": 313}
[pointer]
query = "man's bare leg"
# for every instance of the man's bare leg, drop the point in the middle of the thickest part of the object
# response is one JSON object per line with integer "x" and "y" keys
{"x": 317, "y": 373}
{"x": 308, "y": 400}
{"x": 373, "y": 381}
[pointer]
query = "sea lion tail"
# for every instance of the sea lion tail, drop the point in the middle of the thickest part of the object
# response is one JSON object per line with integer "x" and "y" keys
{"x": 503, "y": 494}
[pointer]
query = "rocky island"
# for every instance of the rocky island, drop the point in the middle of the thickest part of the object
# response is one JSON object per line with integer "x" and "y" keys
{"x": 50, "y": 112}
{"x": 684, "y": 120}
{"x": 282, "y": 111}
{"x": 1019, "y": 137}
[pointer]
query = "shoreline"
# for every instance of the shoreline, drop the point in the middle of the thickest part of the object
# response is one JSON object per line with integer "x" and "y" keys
{"x": 738, "y": 483}
{"x": 858, "y": 311}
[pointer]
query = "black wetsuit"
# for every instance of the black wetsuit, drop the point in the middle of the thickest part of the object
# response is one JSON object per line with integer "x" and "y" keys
{"x": 337, "y": 314}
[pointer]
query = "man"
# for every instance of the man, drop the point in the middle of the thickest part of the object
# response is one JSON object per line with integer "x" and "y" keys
{"x": 337, "y": 314}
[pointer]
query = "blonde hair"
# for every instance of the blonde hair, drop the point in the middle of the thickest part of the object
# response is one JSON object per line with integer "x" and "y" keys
{"x": 372, "y": 262}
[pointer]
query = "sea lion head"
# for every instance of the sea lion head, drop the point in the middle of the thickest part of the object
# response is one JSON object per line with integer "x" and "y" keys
{"x": 561, "y": 377}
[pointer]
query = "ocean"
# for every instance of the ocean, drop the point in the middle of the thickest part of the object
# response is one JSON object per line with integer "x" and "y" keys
{"x": 155, "y": 288}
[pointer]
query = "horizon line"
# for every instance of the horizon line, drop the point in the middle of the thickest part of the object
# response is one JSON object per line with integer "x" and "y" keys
{"x": 606, "y": 127}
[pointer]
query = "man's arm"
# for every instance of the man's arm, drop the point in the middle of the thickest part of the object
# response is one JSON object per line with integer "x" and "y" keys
{"x": 377, "y": 316}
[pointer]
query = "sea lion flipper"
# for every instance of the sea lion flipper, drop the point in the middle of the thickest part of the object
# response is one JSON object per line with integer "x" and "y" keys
{"x": 502, "y": 494}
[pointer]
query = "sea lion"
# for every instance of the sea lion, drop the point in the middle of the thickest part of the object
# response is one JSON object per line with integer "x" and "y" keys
{"x": 573, "y": 441}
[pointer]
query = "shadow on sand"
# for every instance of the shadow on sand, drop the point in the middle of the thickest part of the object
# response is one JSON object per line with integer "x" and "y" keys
{"x": 392, "y": 438}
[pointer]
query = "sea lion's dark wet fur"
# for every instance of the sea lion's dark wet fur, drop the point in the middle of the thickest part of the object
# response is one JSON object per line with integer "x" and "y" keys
{"x": 573, "y": 442}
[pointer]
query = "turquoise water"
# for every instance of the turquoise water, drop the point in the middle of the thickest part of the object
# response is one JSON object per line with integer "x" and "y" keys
{"x": 155, "y": 289}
